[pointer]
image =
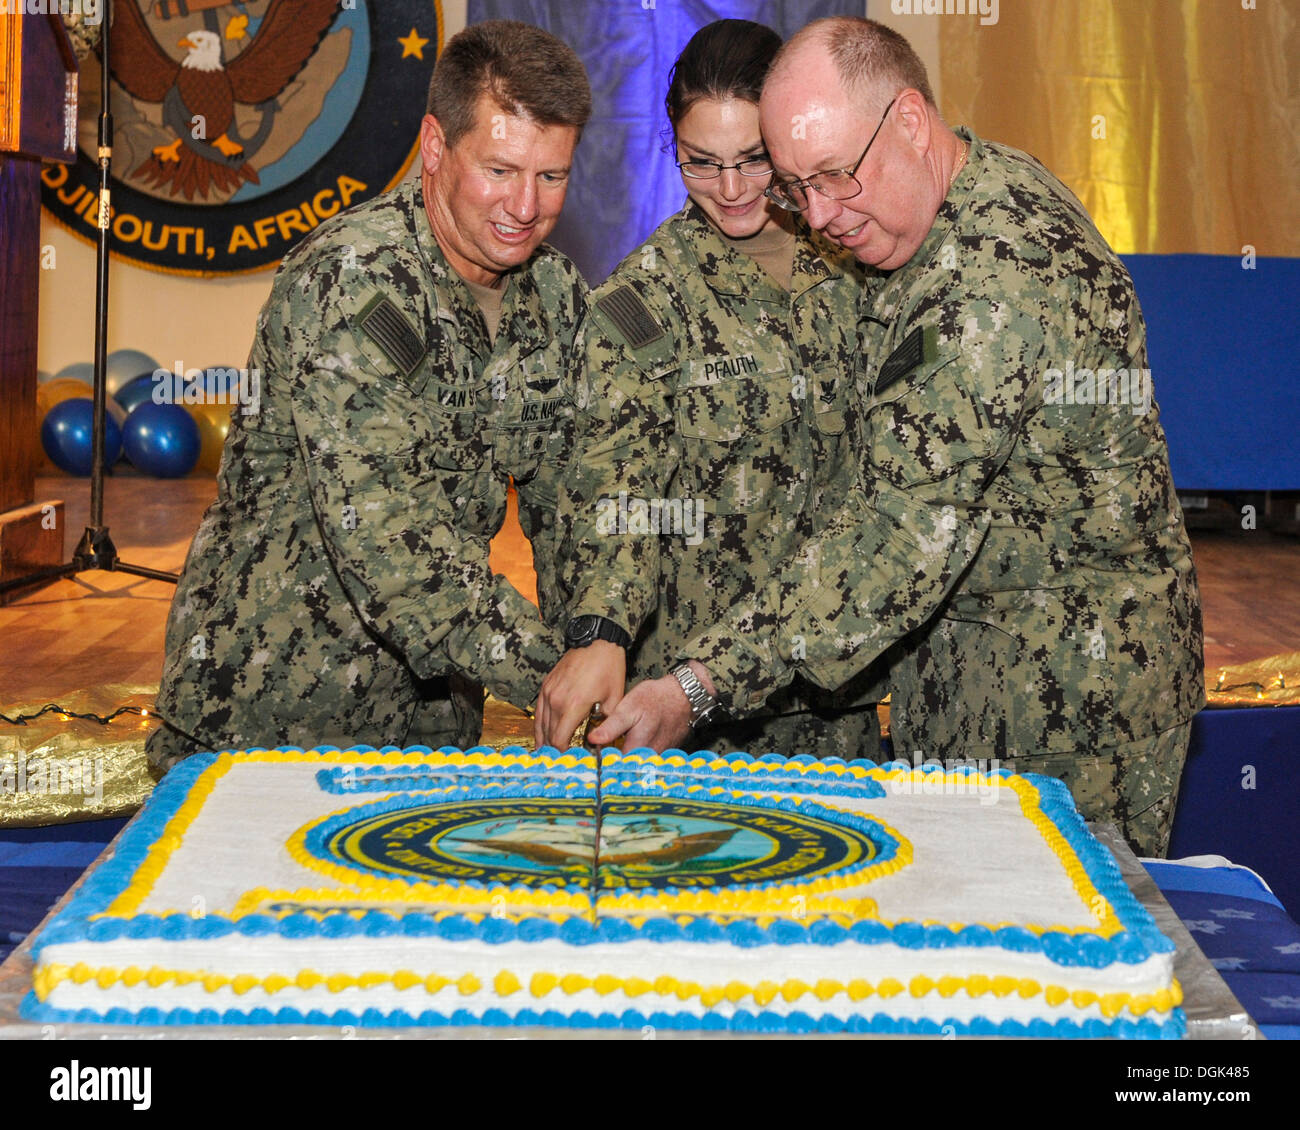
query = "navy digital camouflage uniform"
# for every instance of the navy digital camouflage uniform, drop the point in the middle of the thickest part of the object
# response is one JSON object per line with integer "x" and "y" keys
{"x": 1017, "y": 552}
{"x": 706, "y": 383}
{"x": 338, "y": 590}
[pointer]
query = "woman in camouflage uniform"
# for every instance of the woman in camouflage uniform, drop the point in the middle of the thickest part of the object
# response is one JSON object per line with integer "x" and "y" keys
{"x": 716, "y": 420}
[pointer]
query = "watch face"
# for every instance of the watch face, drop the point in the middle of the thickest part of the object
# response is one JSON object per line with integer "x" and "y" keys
{"x": 581, "y": 630}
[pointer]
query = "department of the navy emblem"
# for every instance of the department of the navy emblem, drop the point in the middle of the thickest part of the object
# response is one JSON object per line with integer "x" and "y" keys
{"x": 632, "y": 842}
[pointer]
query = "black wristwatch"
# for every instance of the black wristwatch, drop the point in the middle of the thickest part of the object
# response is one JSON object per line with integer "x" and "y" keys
{"x": 582, "y": 631}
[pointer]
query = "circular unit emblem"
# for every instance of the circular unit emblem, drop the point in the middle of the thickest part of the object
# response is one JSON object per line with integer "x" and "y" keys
{"x": 491, "y": 841}
{"x": 642, "y": 842}
{"x": 241, "y": 127}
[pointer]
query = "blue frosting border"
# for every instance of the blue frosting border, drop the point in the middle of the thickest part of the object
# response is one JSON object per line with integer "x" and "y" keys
{"x": 111, "y": 877}
{"x": 1139, "y": 940}
{"x": 1058, "y": 806}
{"x": 1174, "y": 1027}
{"x": 350, "y": 780}
{"x": 739, "y": 773}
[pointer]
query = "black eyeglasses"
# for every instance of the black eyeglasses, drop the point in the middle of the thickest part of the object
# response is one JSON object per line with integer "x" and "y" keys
{"x": 699, "y": 169}
{"x": 838, "y": 184}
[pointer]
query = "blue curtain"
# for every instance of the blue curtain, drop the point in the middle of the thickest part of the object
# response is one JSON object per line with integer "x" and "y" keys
{"x": 623, "y": 183}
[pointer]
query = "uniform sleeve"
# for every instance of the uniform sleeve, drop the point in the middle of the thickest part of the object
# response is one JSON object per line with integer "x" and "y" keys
{"x": 625, "y": 450}
{"x": 945, "y": 418}
{"x": 539, "y": 496}
{"x": 388, "y": 517}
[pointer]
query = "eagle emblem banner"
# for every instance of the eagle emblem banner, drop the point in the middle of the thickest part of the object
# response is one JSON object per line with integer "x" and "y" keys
{"x": 241, "y": 127}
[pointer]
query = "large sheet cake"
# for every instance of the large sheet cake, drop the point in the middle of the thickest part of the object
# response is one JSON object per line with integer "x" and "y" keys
{"x": 684, "y": 891}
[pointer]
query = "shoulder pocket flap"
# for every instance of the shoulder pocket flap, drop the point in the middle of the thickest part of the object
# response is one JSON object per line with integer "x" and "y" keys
{"x": 912, "y": 370}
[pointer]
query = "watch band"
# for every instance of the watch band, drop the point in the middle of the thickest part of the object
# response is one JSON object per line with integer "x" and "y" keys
{"x": 702, "y": 703}
{"x": 582, "y": 631}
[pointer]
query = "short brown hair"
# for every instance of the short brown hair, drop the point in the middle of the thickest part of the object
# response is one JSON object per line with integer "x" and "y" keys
{"x": 866, "y": 54}
{"x": 525, "y": 70}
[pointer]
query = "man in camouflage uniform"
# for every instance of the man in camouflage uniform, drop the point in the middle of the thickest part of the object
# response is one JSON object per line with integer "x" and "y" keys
{"x": 339, "y": 590}
{"x": 1014, "y": 542}
{"x": 723, "y": 401}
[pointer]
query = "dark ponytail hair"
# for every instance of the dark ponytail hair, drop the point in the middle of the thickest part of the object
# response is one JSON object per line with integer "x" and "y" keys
{"x": 724, "y": 59}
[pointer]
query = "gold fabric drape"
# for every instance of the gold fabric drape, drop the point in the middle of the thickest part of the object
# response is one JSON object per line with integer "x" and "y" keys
{"x": 1274, "y": 681}
{"x": 1199, "y": 101}
{"x": 57, "y": 768}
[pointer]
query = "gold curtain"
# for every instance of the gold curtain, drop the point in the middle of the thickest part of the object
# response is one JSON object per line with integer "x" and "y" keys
{"x": 1176, "y": 122}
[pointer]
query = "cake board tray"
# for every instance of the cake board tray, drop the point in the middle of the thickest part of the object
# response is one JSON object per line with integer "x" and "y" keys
{"x": 1213, "y": 1012}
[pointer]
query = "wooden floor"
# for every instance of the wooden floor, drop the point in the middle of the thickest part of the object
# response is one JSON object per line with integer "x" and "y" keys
{"x": 108, "y": 627}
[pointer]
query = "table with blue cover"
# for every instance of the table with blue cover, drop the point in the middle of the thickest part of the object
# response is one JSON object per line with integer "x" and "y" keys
{"x": 1244, "y": 931}
{"x": 37, "y": 865}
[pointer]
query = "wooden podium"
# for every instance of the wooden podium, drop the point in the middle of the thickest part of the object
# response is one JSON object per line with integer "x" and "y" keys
{"x": 38, "y": 122}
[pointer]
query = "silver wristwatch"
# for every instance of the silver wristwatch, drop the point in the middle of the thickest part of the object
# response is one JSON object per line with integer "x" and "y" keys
{"x": 702, "y": 703}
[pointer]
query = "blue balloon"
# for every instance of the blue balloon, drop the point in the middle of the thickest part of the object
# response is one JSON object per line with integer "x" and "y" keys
{"x": 220, "y": 382}
{"x": 162, "y": 440}
{"x": 78, "y": 371}
{"x": 68, "y": 436}
{"x": 122, "y": 366}
{"x": 139, "y": 391}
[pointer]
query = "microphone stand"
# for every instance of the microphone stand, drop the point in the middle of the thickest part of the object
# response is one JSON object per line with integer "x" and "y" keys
{"x": 96, "y": 550}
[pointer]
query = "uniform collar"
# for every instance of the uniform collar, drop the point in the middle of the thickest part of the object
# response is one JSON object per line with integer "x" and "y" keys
{"x": 815, "y": 260}
{"x": 728, "y": 271}
{"x": 522, "y": 316}
{"x": 954, "y": 203}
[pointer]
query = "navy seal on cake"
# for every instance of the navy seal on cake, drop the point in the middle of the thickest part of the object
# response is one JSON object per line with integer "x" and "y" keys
{"x": 645, "y": 845}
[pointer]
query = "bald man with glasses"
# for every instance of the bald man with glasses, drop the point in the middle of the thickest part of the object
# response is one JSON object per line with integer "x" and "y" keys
{"x": 1013, "y": 546}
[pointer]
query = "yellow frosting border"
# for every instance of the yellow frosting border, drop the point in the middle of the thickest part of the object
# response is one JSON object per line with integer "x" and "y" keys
{"x": 48, "y": 976}
{"x": 162, "y": 849}
{"x": 1106, "y": 921}
{"x": 426, "y": 898}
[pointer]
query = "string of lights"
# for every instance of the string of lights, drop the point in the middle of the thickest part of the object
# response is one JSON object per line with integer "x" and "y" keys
{"x": 1259, "y": 688}
{"x": 67, "y": 715}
